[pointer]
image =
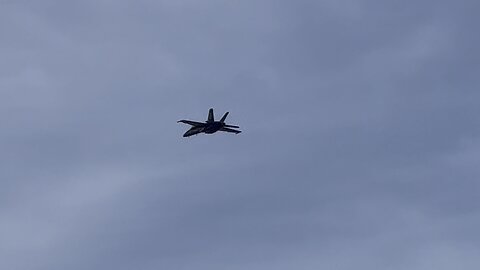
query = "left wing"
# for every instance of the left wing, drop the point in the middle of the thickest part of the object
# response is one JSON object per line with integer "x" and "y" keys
{"x": 191, "y": 123}
{"x": 230, "y": 130}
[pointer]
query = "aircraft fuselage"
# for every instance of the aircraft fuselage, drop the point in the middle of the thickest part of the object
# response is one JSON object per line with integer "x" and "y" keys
{"x": 211, "y": 128}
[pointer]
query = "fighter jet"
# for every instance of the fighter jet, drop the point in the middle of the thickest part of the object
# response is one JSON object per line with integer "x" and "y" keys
{"x": 210, "y": 126}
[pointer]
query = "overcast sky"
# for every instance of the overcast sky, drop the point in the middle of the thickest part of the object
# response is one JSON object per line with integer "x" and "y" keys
{"x": 360, "y": 146}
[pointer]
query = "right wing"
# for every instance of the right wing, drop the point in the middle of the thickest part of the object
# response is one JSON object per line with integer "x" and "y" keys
{"x": 191, "y": 123}
{"x": 192, "y": 131}
{"x": 230, "y": 130}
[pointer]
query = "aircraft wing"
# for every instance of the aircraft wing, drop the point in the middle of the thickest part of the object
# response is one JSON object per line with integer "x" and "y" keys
{"x": 230, "y": 130}
{"x": 191, "y": 123}
{"x": 192, "y": 131}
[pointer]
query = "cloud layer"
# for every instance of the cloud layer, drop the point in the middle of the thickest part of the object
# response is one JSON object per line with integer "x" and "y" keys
{"x": 360, "y": 143}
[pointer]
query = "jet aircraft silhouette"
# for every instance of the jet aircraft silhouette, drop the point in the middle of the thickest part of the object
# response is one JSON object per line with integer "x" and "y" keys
{"x": 210, "y": 126}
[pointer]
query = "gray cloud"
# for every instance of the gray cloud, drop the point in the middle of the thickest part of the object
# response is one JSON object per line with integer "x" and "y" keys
{"x": 359, "y": 147}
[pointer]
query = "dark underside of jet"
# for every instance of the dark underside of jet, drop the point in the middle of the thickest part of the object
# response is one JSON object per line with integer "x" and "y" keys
{"x": 210, "y": 126}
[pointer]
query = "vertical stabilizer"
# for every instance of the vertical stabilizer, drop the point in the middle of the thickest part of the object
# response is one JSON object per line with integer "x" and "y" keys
{"x": 210, "y": 116}
{"x": 224, "y": 117}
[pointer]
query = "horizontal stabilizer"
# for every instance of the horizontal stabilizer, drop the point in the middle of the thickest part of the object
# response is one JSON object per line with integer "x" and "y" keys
{"x": 230, "y": 126}
{"x": 230, "y": 130}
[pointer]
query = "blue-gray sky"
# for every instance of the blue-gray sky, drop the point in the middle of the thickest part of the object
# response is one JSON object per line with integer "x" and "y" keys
{"x": 360, "y": 150}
